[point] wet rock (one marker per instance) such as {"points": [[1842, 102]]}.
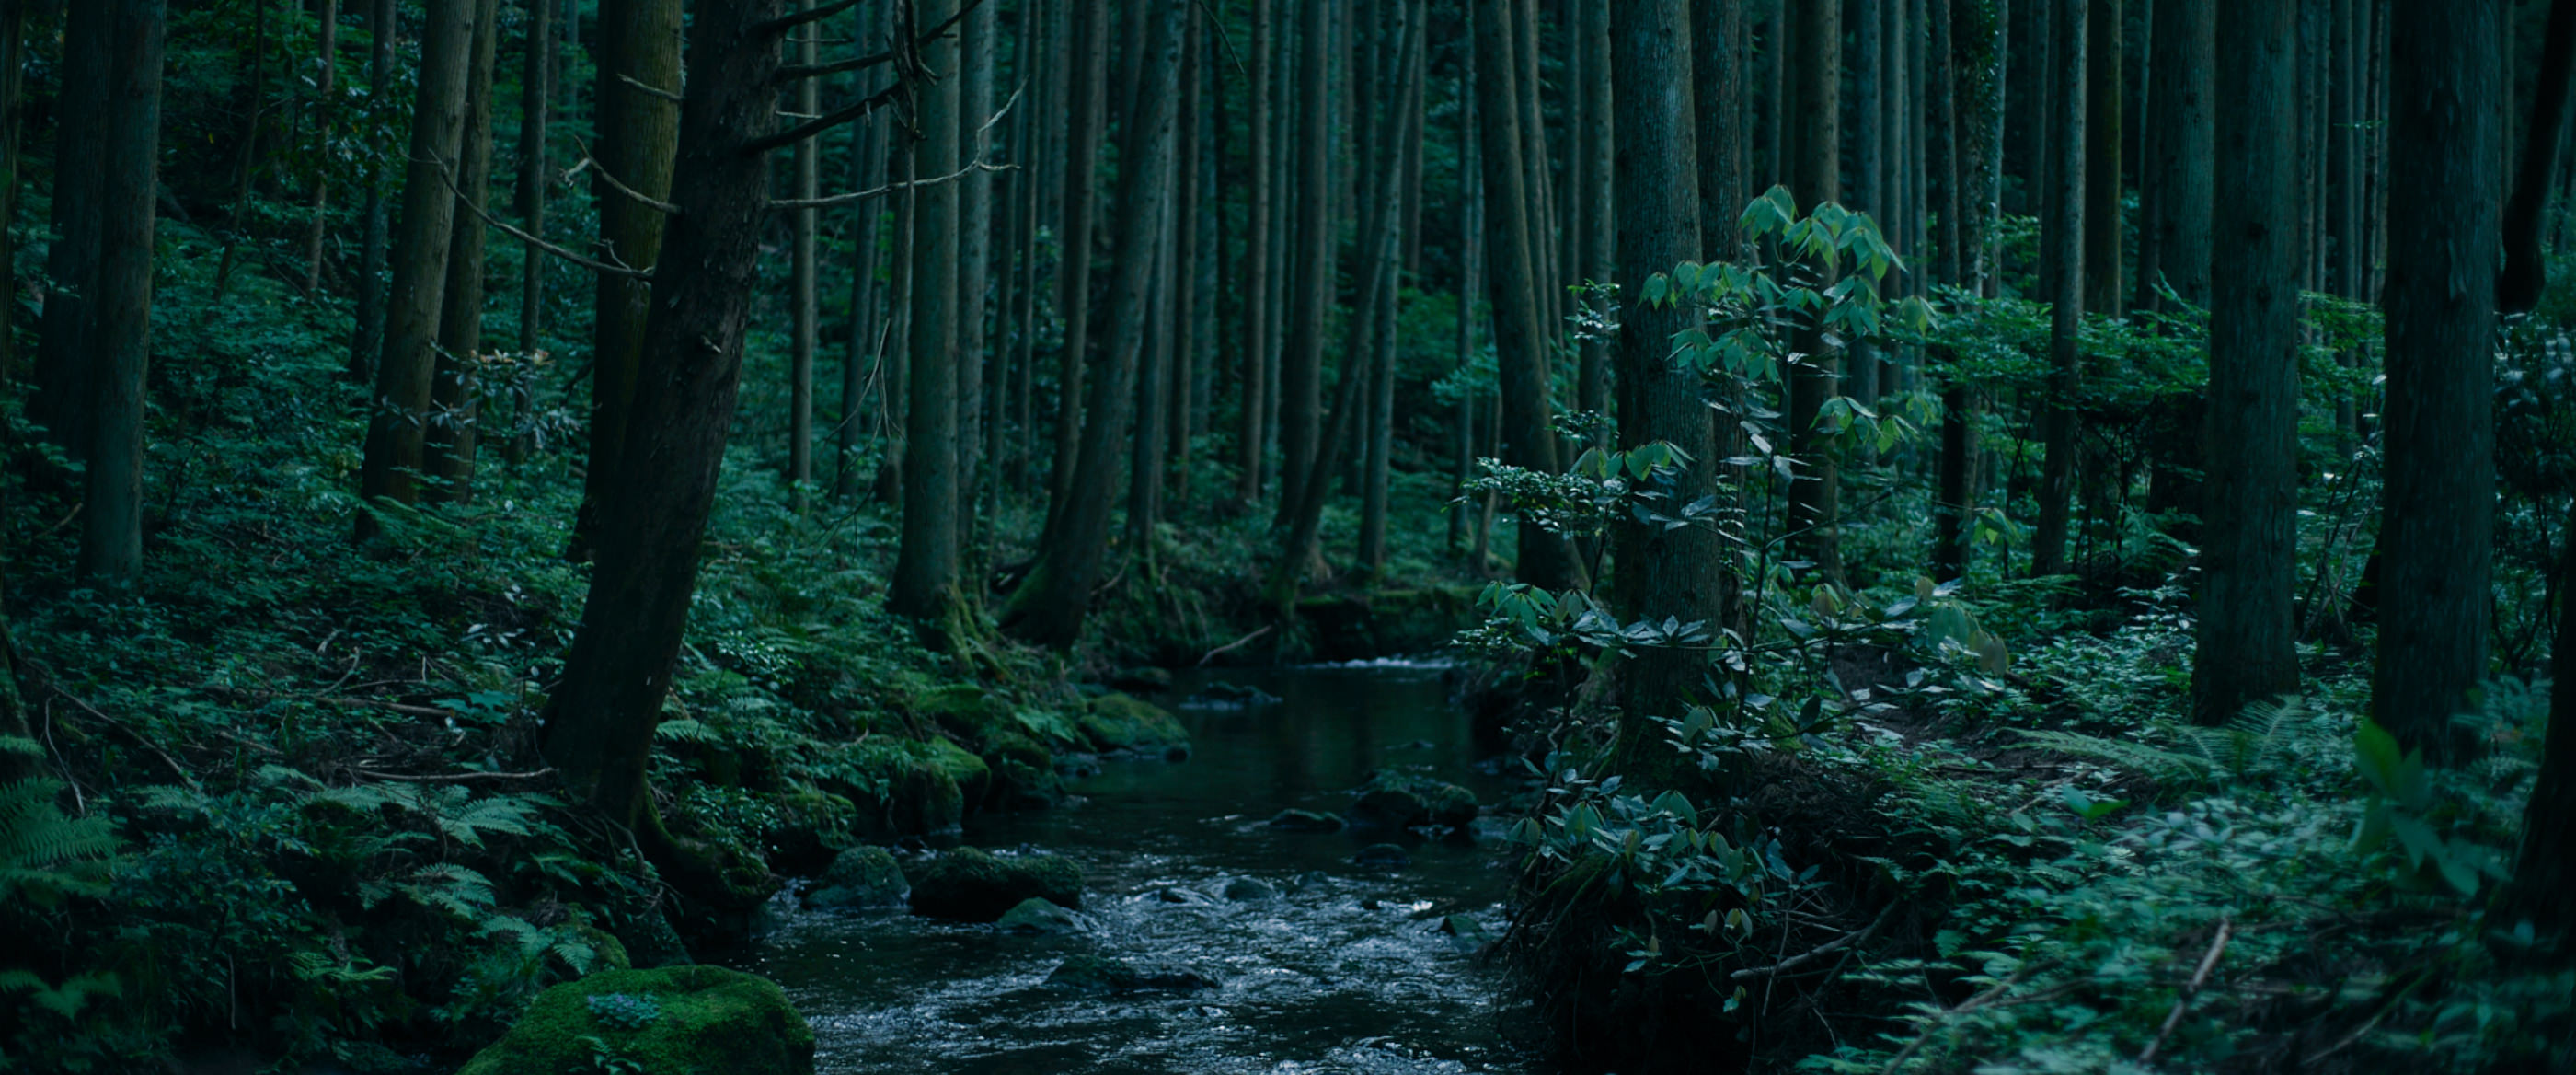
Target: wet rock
{"points": [[1309, 879], [1306, 821], [1101, 974], [1248, 890], [1465, 933], [1141, 680], [1390, 856], [1405, 803], [1230, 696], [1038, 916], [969, 885], [673, 1020], [1124, 722], [863, 876], [1180, 895]]}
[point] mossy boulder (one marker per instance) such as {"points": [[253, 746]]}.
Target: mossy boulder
{"points": [[972, 776], [813, 825], [1402, 802], [863, 876], [968, 710], [1024, 775], [1125, 722], [970, 885], [1038, 914], [693, 1020], [900, 787]]}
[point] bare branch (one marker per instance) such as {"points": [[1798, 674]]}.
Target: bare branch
{"points": [[784, 23], [632, 194], [649, 91], [835, 118], [857, 196], [531, 240], [792, 72]]}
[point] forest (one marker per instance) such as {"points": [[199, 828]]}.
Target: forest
{"points": [[656, 537]]}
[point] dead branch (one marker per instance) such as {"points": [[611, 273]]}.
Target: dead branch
{"points": [[175, 768], [453, 778], [827, 121], [648, 90], [1793, 962], [972, 167], [632, 194], [784, 23], [2200, 977], [531, 240], [1236, 644]]}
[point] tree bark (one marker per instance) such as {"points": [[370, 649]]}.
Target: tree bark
{"points": [[978, 36], [805, 308], [2546, 868], [1257, 286], [1546, 559], [1720, 59], [2104, 227], [399, 406], [652, 516], [1815, 498], [2247, 637], [2436, 533], [1662, 574], [638, 53], [1183, 317], [2525, 274], [925, 574], [536, 100], [1406, 128], [63, 351], [454, 419], [1592, 149], [325, 80], [2062, 276], [1087, 93], [1310, 286], [2185, 46], [120, 299], [1051, 603], [367, 341]]}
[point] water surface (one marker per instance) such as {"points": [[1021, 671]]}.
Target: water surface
{"points": [[1347, 970]]}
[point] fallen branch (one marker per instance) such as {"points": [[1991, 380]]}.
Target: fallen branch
{"points": [[452, 778], [1236, 644], [1793, 962], [130, 733], [2200, 977]]}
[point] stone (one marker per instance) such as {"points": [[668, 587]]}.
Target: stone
{"points": [[1390, 856], [1124, 722], [1037, 915], [1392, 808], [1101, 974], [1404, 803], [670, 1021], [1230, 696], [862, 876], [970, 885], [1142, 679], [1249, 890], [1306, 821]]}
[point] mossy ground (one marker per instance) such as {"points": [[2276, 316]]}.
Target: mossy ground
{"points": [[676, 1021]]}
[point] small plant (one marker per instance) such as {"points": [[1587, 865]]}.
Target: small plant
{"points": [[625, 1011]]}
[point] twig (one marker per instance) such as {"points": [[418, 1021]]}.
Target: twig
{"points": [[1971, 1004], [453, 778], [2208, 962], [650, 91], [879, 192], [130, 733], [1793, 962], [829, 120], [784, 23], [65, 520], [531, 240], [632, 194], [1236, 644]]}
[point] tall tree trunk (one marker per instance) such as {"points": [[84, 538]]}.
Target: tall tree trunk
{"points": [[2186, 43], [1310, 286], [326, 78], [1153, 394], [2103, 225], [64, 354], [978, 36], [253, 112], [1258, 283], [1662, 574], [1720, 59], [398, 409], [2436, 531], [638, 60], [1471, 265], [1087, 93], [1520, 343], [869, 321], [1050, 605], [536, 98], [1406, 127], [805, 306], [653, 515], [2525, 274], [1593, 199], [2062, 275], [925, 574], [120, 299], [367, 341], [1177, 426], [13, 53], [1869, 189], [2248, 557], [455, 395], [1771, 116], [1975, 91], [2546, 867], [1815, 177]]}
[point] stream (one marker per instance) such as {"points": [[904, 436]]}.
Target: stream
{"points": [[1347, 969]]}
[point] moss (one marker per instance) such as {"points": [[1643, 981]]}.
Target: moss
{"points": [[898, 790], [863, 876], [1023, 771], [672, 1021], [971, 885], [959, 764], [966, 709], [1124, 722]]}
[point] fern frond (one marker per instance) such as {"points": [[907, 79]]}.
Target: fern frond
{"points": [[2155, 762]]}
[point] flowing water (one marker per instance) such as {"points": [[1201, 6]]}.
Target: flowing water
{"points": [[1347, 969]]}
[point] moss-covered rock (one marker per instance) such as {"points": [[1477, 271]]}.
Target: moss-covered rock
{"points": [[972, 776], [965, 709], [673, 1021], [863, 876], [1024, 775], [813, 825], [1306, 821], [1125, 722], [896, 785], [1397, 801], [1037, 914], [970, 885]]}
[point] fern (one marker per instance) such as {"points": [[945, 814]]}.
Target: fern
{"points": [[2265, 740], [37, 842]]}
